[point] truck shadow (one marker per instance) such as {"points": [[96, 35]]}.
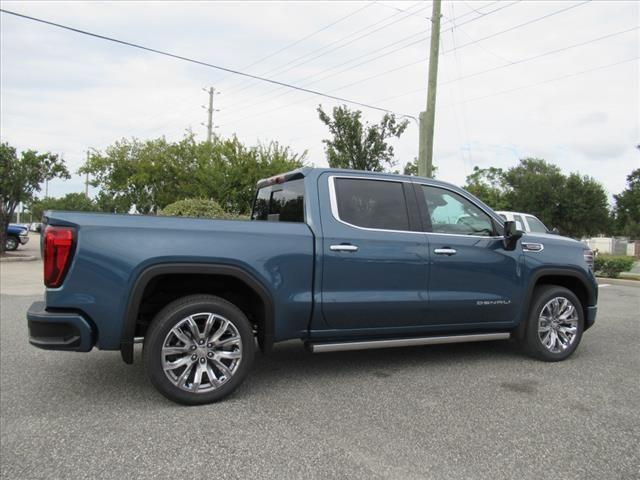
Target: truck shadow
{"points": [[103, 379]]}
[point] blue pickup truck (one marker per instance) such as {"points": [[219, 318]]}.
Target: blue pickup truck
{"points": [[340, 259], [16, 235]]}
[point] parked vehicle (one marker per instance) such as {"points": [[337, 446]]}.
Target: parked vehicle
{"points": [[526, 222], [16, 235], [342, 260]]}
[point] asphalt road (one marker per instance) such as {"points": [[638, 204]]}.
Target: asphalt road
{"points": [[475, 411]]}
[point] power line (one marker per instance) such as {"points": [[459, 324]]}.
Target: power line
{"points": [[199, 62], [306, 37], [517, 62], [511, 90], [244, 105], [401, 67], [279, 70]]}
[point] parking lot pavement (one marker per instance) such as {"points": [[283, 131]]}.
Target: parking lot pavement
{"points": [[475, 411]]}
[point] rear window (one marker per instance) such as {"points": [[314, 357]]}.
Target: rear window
{"points": [[282, 202], [372, 203]]}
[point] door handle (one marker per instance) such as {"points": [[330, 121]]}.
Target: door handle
{"points": [[344, 248], [445, 251]]}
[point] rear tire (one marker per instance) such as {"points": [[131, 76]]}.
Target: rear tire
{"points": [[555, 324], [11, 244], [198, 349]]}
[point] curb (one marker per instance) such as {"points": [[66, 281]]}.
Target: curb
{"points": [[618, 281], [7, 259]]}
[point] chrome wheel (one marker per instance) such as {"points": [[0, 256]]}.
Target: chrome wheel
{"points": [[201, 352], [11, 244], [558, 324]]}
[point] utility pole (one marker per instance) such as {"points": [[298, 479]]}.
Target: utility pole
{"points": [[427, 118], [211, 91], [86, 179]]}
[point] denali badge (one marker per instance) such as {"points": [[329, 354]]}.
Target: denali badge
{"points": [[493, 302]]}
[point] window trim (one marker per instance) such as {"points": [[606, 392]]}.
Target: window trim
{"points": [[333, 200], [412, 185]]}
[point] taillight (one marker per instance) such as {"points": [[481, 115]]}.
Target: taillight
{"points": [[59, 243]]}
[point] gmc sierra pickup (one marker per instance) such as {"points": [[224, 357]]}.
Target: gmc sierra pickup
{"points": [[342, 260]]}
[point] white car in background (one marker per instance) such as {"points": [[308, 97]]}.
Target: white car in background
{"points": [[526, 222]]}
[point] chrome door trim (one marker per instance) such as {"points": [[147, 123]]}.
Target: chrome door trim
{"points": [[334, 207], [343, 248], [445, 251]]}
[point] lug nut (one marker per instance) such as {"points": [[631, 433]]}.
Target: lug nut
{"points": [[193, 347], [201, 342], [193, 357], [202, 360], [210, 345], [210, 354]]}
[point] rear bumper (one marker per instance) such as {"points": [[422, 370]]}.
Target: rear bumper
{"points": [[591, 316], [68, 331]]}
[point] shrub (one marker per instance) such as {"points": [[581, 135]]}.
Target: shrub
{"points": [[197, 207], [611, 266]]}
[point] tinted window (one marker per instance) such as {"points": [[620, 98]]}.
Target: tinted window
{"points": [[280, 203], [536, 225], [372, 203], [452, 213]]}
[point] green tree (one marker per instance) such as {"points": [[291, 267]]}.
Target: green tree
{"points": [[149, 175], [583, 209], [488, 184], [71, 202], [196, 207], [358, 145], [20, 179], [411, 168], [535, 186], [627, 207]]}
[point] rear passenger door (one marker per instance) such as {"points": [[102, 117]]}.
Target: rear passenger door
{"points": [[375, 256]]}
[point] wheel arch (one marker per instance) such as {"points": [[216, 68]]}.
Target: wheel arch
{"points": [[219, 271], [573, 280]]}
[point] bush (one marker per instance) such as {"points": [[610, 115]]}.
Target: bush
{"points": [[611, 266], [197, 207]]}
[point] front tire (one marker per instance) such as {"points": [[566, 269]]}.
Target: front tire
{"points": [[11, 244], [555, 324], [198, 349]]}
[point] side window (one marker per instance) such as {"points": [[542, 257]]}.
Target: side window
{"points": [[519, 222], [536, 225], [454, 214], [504, 217], [371, 203], [280, 202]]}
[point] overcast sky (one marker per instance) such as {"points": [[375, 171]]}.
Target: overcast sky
{"points": [[578, 108]]}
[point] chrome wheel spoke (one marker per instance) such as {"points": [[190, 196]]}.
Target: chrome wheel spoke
{"points": [[193, 328], [212, 376], [197, 378], [208, 325], [181, 336], [220, 331], [175, 350], [229, 355], [228, 341], [178, 363], [184, 376], [222, 367]]}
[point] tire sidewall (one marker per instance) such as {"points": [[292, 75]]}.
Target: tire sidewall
{"points": [[171, 315], [534, 343]]}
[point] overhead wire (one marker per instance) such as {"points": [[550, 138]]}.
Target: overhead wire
{"points": [[198, 62]]}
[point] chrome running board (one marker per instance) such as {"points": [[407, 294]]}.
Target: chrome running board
{"points": [[405, 342]]}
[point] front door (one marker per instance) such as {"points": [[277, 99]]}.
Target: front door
{"points": [[375, 258], [474, 280]]}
